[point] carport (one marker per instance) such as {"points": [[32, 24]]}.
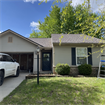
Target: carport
{"points": [[24, 59], [20, 48]]}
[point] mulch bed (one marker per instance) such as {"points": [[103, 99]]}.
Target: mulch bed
{"points": [[31, 76]]}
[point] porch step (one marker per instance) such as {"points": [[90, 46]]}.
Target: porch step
{"points": [[45, 72]]}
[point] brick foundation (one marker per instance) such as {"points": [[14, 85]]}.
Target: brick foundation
{"points": [[74, 71]]}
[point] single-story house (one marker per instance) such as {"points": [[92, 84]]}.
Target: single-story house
{"points": [[73, 47]]}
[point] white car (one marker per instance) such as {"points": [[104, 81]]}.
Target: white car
{"points": [[8, 67]]}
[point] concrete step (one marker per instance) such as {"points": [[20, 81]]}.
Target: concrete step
{"points": [[45, 72]]}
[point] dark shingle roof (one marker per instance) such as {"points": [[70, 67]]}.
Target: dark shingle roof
{"points": [[75, 38], [45, 42]]}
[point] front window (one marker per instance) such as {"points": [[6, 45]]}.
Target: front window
{"points": [[81, 54]]}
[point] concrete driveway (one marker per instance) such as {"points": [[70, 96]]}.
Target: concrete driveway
{"points": [[10, 83]]}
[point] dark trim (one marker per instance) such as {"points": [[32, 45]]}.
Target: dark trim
{"points": [[73, 55], [90, 56]]}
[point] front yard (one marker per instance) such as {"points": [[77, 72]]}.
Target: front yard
{"points": [[58, 91]]}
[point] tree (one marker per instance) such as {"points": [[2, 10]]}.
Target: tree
{"points": [[68, 19], [37, 34], [72, 20], [52, 23], [34, 34], [82, 25]]}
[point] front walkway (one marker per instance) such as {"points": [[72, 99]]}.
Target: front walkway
{"points": [[10, 83]]}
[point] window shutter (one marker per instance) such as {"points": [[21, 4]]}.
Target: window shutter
{"points": [[90, 56], [73, 56]]}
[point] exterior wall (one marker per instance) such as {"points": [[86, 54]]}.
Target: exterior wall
{"points": [[18, 45], [96, 56], [62, 54]]}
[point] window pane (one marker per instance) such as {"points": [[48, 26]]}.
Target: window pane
{"points": [[46, 59], [81, 52], [46, 55], [81, 60]]}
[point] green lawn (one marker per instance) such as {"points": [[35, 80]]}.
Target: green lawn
{"points": [[58, 91]]}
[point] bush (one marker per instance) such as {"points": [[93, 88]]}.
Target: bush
{"points": [[85, 69], [62, 69]]}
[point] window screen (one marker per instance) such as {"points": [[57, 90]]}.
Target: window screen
{"points": [[81, 55]]}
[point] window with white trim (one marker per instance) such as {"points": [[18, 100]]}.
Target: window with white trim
{"points": [[81, 55]]}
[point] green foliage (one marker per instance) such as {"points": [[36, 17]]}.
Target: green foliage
{"points": [[69, 20], [85, 69], [62, 69], [34, 34], [37, 35], [52, 23]]}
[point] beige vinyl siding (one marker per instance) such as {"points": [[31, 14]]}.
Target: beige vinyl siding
{"points": [[95, 56], [18, 45], [62, 54]]}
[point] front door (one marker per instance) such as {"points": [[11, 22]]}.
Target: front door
{"points": [[46, 61]]}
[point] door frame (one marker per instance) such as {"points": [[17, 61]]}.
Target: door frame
{"points": [[46, 51]]}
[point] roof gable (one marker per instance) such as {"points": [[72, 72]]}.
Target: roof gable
{"points": [[27, 39]]}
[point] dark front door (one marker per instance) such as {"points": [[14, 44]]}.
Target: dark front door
{"points": [[46, 61]]}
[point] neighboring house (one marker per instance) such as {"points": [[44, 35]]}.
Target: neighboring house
{"points": [[73, 47]]}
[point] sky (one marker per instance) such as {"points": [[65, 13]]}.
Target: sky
{"points": [[22, 16]]}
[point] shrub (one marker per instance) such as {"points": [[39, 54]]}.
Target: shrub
{"points": [[62, 69], [85, 69]]}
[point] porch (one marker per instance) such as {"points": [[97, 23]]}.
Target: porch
{"points": [[45, 61]]}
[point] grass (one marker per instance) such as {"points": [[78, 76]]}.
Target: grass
{"points": [[58, 91]]}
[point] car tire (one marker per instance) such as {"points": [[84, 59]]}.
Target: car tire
{"points": [[1, 77], [17, 72]]}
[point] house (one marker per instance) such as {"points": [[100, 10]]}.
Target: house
{"points": [[73, 47]]}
